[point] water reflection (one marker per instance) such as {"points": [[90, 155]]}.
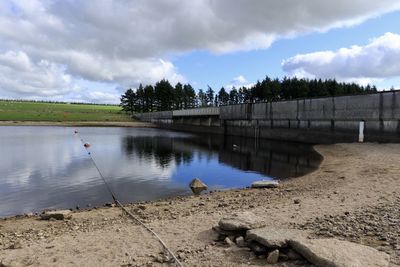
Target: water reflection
{"points": [[47, 167], [274, 159]]}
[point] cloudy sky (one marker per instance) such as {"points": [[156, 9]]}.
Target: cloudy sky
{"points": [[77, 50]]}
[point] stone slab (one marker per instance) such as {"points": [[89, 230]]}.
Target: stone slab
{"points": [[240, 221], [337, 253], [273, 238]]}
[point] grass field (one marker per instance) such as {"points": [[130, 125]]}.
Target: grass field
{"points": [[33, 111]]}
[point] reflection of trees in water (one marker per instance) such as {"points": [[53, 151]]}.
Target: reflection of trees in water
{"points": [[161, 149], [276, 159]]}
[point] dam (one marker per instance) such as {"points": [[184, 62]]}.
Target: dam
{"points": [[368, 117]]}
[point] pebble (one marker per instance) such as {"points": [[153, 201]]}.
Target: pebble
{"points": [[229, 242], [240, 241], [16, 245], [273, 257]]}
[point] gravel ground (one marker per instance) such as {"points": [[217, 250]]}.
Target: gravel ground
{"points": [[376, 226], [354, 195]]}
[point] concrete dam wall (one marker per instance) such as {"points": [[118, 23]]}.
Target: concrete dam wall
{"points": [[315, 120]]}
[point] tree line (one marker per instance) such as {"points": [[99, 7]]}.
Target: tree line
{"points": [[164, 96]]}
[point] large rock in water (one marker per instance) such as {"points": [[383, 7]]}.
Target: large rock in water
{"points": [[336, 253], [273, 238], [240, 221], [265, 184], [197, 186]]}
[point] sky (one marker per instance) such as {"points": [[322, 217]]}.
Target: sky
{"points": [[92, 51]]}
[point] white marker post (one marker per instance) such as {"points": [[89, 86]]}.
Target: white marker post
{"points": [[361, 132]]}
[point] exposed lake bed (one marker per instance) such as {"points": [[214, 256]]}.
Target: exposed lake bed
{"points": [[351, 185]]}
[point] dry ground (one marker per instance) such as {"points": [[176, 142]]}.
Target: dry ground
{"points": [[354, 179]]}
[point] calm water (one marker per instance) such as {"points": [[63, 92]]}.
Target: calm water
{"points": [[47, 167]]}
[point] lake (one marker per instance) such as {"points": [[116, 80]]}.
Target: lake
{"points": [[48, 167]]}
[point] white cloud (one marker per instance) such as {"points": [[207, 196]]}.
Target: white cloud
{"points": [[20, 75], [126, 42], [239, 81], [363, 64]]}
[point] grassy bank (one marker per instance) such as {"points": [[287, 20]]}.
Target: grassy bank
{"points": [[57, 112]]}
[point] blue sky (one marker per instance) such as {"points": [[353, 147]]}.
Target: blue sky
{"points": [[78, 50], [205, 68]]}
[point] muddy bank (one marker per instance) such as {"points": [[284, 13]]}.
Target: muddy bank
{"points": [[78, 123], [353, 196]]}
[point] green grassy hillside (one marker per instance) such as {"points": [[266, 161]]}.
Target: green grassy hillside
{"points": [[34, 111]]}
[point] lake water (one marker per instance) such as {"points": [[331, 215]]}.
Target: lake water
{"points": [[48, 167]]}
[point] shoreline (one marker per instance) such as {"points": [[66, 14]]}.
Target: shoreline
{"points": [[79, 123], [354, 196]]}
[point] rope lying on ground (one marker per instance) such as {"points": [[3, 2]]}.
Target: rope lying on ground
{"points": [[116, 201]]}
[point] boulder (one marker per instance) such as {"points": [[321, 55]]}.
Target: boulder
{"points": [[240, 221], [273, 238], [293, 255], [240, 242], [229, 242], [265, 184], [197, 186], [337, 253], [273, 257], [225, 233], [257, 248], [57, 215]]}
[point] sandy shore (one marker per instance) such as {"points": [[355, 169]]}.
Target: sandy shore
{"points": [[355, 196], [78, 123]]}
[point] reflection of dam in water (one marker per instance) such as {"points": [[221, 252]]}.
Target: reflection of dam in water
{"points": [[271, 158]]}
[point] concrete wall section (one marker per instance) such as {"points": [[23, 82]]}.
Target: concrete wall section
{"points": [[359, 107], [390, 106], [261, 111], [316, 109], [150, 116], [236, 112], [209, 111], [284, 110]]}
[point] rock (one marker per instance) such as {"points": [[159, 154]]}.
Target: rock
{"points": [[283, 256], [265, 184], [273, 238], [336, 253], [240, 221], [197, 186], [57, 214], [257, 248], [229, 242], [6, 264], [142, 207], [293, 255], [226, 233], [240, 242], [16, 245], [273, 257]]}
